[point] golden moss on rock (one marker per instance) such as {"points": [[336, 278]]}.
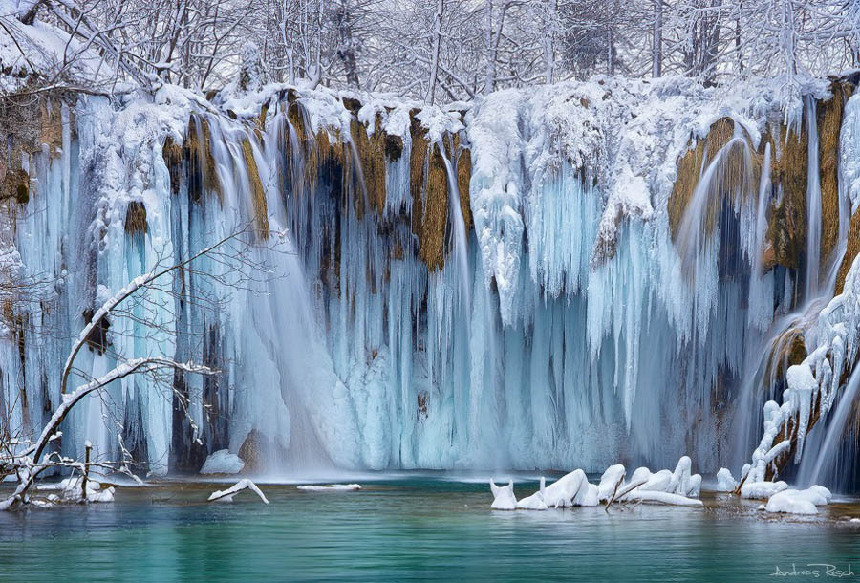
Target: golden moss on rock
{"points": [[200, 171], [850, 253], [171, 152], [257, 194], [371, 155], [690, 166], [393, 147], [135, 218], [430, 213], [464, 176], [418, 157], [830, 114], [15, 186], [786, 231]]}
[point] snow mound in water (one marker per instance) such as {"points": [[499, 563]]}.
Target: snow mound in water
{"points": [[503, 496], [726, 481], [793, 501], [761, 490], [222, 462]]}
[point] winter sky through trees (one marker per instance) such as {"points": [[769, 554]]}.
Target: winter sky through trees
{"points": [[450, 50]]}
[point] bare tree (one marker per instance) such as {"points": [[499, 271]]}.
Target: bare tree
{"points": [[26, 460]]}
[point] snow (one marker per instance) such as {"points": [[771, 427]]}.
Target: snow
{"points": [[579, 314], [610, 481], [761, 490], [794, 501], [834, 339], [725, 481], [678, 488], [536, 501], [227, 495], [329, 487], [71, 491], [503, 496], [222, 462], [47, 51]]}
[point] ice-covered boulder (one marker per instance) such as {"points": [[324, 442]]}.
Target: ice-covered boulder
{"points": [[222, 462]]}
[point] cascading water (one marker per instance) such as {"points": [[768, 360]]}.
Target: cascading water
{"points": [[813, 204]]}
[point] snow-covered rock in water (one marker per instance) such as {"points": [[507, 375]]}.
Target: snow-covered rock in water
{"points": [[222, 462], [503, 496], [678, 488], [330, 487], [537, 500], [572, 489], [657, 497], [227, 495], [682, 479], [794, 501], [761, 490], [725, 481], [71, 491], [659, 482], [610, 481]]}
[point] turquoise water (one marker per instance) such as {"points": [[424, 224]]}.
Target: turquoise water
{"points": [[410, 528]]}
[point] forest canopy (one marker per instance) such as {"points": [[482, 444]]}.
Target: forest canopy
{"points": [[444, 50]]}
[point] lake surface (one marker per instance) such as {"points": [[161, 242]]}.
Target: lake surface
{"points": [[414, 527]]}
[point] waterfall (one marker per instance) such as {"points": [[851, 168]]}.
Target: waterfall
{"points": [[387, 327], [813, 203], [814, 472]]}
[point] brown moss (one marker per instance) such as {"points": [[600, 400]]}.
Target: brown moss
{"points": [[200, 170], [393, 147], [327, 158], [430, 213], [464, 176], [689, 168], [850, 253], [418, 157], [50, 124], [352, 104], [15, 186], [786, 230], [171, 152], [786, 350], [135, 218], [261, 119], [371, 155], [297, 120], [258, 194], [830, 114]]}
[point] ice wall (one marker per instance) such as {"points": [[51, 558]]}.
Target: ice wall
{"points": [[562, 277]]}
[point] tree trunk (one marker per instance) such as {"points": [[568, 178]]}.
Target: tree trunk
{"points": [[437, 50], [657, 51]]}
